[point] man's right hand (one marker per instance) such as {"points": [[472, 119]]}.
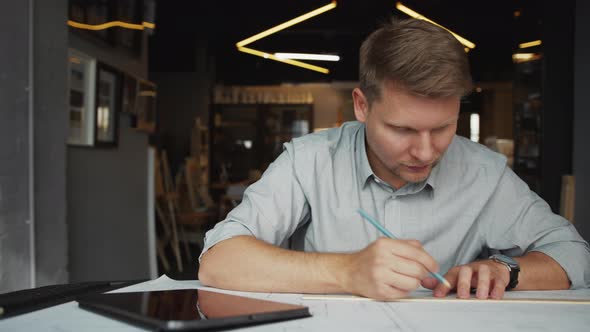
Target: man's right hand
{"points": [[388, 269]]}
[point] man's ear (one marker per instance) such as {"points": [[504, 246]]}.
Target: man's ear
{"points": [[361, 105]]}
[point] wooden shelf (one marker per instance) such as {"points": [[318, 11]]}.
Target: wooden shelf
{"points": [[235, 124]]}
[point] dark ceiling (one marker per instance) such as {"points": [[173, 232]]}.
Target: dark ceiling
{"points": [[187, 28]]}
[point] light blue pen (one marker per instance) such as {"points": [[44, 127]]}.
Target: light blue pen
{"points": [[391, 236]]}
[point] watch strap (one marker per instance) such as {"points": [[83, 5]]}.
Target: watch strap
{"points": [[512, 270]]}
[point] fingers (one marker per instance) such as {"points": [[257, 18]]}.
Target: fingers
{"points": [[388, 292], [452, 276], [483, 282], [491, 281], [413, 251], [404, 282], [487, 281], [414, 243], [464, 282], [429, 282], [409, 268], [498, 289]]}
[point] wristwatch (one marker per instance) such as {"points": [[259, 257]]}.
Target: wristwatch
{"points": [[512, 266]]}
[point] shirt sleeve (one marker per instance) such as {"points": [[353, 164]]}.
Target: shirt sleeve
{"points": [[522, 222], [271, 209]]}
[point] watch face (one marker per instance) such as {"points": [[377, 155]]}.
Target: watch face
{"points": [[506, 259]]}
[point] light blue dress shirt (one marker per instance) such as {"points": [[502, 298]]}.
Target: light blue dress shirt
{"points": [[470, 206]]}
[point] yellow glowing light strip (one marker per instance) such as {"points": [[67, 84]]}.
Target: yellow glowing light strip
{"points": [[287, 24], [147, 94], [530, 44], [415, 15], [289, 61], [523, 57], [308, 56], [111, 24]]}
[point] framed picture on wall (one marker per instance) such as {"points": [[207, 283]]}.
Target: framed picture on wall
{"points": [[81, 92], [108, 85]]}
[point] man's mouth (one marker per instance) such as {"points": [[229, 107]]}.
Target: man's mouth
{"points": [[418, 169]]}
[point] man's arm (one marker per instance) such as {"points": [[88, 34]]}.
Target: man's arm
{"points": [[247, 264], [386, 269], [540, 272]]}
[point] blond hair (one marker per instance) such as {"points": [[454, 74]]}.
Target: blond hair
{"points": [[418, 56]]}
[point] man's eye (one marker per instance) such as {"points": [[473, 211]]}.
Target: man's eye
{"points": [[404, 130]]}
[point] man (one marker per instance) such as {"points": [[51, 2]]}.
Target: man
{"points": [[450, 201]]}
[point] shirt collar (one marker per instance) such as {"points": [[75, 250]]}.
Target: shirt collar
{"points": [[431, 181], [434, 177], [361, 160]]}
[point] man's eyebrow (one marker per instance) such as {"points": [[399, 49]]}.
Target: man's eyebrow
{"points": [[448, 122], [396, 125], [444, 124]]}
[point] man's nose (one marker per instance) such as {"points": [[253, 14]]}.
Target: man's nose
{"points": [[422, 148]]}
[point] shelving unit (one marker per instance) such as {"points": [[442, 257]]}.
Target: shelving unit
{"points": [[528, 122], [246, 138]]}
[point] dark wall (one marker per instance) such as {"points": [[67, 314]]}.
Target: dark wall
{"points": [[581, 158], [15, 113]]}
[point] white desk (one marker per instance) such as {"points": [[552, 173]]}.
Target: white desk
{"points": [[355, 315]]}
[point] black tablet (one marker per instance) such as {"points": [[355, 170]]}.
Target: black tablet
{"points": [[189, 309]]}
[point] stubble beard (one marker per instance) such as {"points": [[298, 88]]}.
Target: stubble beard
{"points": [[397, 171]]}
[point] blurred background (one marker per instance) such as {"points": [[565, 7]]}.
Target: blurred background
{"points": [[130, 127]]}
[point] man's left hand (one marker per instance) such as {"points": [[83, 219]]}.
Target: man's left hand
{"points": [[489, 278]]}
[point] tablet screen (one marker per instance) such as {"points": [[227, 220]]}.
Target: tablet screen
{"points": [[187, 307]]}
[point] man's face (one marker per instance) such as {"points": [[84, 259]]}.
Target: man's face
{"points": [[406, 134]]}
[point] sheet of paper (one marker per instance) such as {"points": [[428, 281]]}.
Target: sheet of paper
{"points": [[533, 297], [162, 283]]}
